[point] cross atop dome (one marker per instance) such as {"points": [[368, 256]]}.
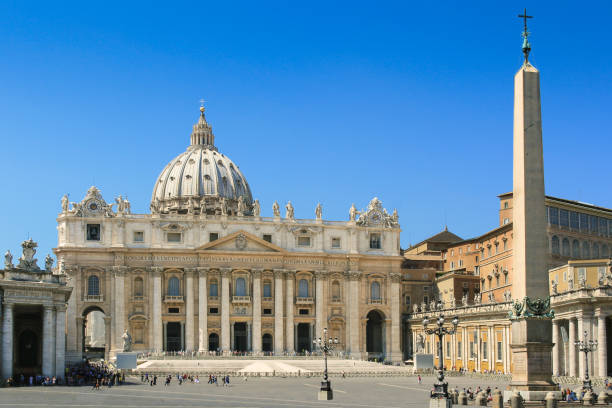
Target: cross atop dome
{"points": [[202, 134]]}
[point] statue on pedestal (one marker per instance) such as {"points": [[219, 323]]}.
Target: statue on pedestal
{"points": [[48, 263], [290, 211], [256, 208], [241, 206], [276, 209], [127, 341], [65, 204], [352, 212], [8, 260], [319, 211]]}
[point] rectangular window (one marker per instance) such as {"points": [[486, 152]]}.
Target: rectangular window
{"points": [[93, 232], [448, 353], [564, 276], [138, 335], [173, 237], [603, 226], [303, 311], [452, 265], [459, 352], [426, 299], [574, 220], [138, 236], [335, 243], [472, 354], [267, 237], [375, 241], [303, 241], [581, 273], [173, 310], [485, 355], [267, 292], [267, 311], [505, 245], [476, 259], [584, 222], [213, 310], [564, 218], [499, 351], [426, 288], [214, 289], [407, 300], [213, 236], [593, 224], [553, 216]]}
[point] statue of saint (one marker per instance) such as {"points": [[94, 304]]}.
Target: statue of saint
{"points": [[223, 206], [120, 206], [289, 208], [241, 206], [319, 211], [127, 341], [127, 206], [256, 208], [203, 206], [65, 204], [48, 263], [276, 209], [190, 206], [352, 213], [8, 260]]}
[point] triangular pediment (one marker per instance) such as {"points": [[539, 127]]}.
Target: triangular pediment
{"points": [[240, 241]]}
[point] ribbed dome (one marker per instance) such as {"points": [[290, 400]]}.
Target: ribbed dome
{"points": [[201, 176]]}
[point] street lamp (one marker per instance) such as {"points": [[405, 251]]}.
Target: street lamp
{"points": [[440, 391], [586, 346], [325, 344]]}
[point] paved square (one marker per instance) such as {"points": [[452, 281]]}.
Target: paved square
{"points": [[379, 392]]}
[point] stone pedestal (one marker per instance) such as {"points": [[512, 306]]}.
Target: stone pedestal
{"points": [[325, 393]]}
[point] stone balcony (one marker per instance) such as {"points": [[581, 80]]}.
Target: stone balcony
{"points": [[378, 301], [267, 299], [173, 299], [304, 300], [213, 299], [137, 298], [93, 298], [241, 299]]}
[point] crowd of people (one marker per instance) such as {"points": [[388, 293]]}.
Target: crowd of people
{"points": [[181, 379], [87, 373]]}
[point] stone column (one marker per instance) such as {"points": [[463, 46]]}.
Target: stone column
{"points": [[504, 346], [320, 322], [225, 310], [290, 284], [80, 333], [556, 347], [7, 341], [278, 311], [119, 317], [572, 348], [189, 310], [256, 273], [72, 347], [48, 340], [602, 349], [107, 336], [158, 335], [354, 318], [60, 341], [582, 326], [396, 354], [202, 311]]}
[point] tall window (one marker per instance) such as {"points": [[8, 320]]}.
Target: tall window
{"points": [[553, 216], [173, 286], [138, 287], [303, 288], [566, 247], [574, 220], [214, 288], [375, 241], [595, 251], [267, 290], [485, 351], [564, 218], [499, 351], [555, 245], [575, 249], [586, 251], [604, 251], [459, 349], [335, 290], [584, 222], [375, 291], [93, 286], [240, 287]]}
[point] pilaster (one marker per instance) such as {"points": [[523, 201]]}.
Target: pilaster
{"points": [[225, 309], [278, 311], [60, 341], [158, 335], [48, 340], [289, 331], [202, 310], [396, 354], [189, 310], [320, 319], [602, 350], [7, 341], [256, 338]]}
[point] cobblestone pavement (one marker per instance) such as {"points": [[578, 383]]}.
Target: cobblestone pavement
{"points": [[379, 392]]}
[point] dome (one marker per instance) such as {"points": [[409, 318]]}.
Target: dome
{"points": [[201, 180]]}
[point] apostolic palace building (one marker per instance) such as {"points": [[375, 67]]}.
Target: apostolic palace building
{"points": [[204, 272]]}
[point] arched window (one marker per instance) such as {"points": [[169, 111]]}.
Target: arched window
{"points": [[555, 245], [93, 286], [595, 251], [173, 286], [566, 247], [240, 287], [575, 249], [375, 291], [335, 290], [586, 251], [303, 288], [604, 251], [214, 288], [138, 287]]}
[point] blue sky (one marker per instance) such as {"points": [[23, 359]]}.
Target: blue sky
{"points": [[335, 102]]}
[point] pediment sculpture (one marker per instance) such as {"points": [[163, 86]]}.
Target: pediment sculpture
{"points": [[376, 215], [93, 205]]}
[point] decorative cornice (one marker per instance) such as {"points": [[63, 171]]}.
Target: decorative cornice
{"points": [[156, 270], [226, 272], [120, 271], [203, 271], [256, 272], [353, 275], [278, 273]]}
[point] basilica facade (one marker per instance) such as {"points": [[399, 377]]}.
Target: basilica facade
{"points": [[204, 271]]}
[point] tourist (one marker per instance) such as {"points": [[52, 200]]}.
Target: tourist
{"points": [[420, 379]]}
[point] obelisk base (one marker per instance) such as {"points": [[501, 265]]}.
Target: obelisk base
{"points": [[531, 359]]}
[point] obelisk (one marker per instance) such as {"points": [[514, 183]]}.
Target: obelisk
{"points": [[531, 316]]}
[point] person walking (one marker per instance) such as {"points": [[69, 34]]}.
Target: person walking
{"points": [[420, 379]]}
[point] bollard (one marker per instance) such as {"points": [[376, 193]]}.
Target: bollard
{"points": [[602, 398], [516, 401], [480, 399], [588, 398], [551, 401], [498, 399], [462, 398]]}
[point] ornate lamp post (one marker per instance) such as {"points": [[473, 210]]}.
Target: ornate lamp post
{"points": [[440, 397], [325, 344], [586, 346]]}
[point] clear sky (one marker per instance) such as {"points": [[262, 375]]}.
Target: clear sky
{"points": [[328, 101]]}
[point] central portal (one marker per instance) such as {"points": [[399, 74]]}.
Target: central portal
{"points": [[173, 336], [240, 336], [303, 337]]}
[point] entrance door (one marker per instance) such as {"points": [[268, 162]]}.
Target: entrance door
{"points": [[28, 350], [173, 336], [374, 333], [213, 342], [266, 342], [240, 336], [303, 337]]}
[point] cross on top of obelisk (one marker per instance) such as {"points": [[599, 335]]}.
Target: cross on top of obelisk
{"points": [[525, 34]]}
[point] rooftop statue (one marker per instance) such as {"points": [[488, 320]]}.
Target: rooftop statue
{"points": [[8, 260], [276, 209], [27, 260], [352, 213], [48, 263], [290, 211], [65, 204], [241, 206], [256, 208], [319, 211]]}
